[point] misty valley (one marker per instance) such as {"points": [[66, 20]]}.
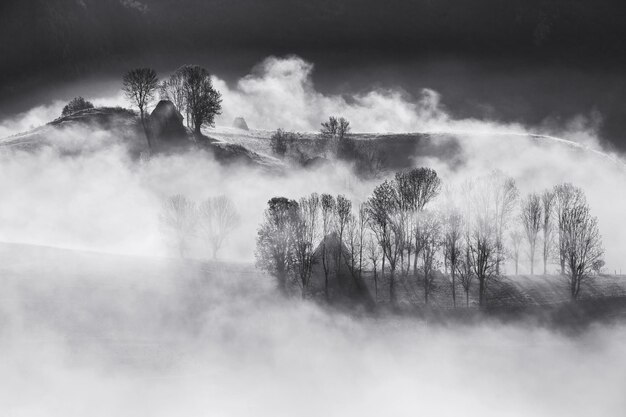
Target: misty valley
{"points": [[189, 246]]}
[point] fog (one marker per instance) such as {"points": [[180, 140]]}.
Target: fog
{"points": [[87, 333], [113, 204]]}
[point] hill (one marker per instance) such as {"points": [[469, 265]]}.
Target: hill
{"points": [[99, 128], [394, 151]]}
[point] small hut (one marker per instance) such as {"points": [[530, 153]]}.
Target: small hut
{"points": [[344, 284]]}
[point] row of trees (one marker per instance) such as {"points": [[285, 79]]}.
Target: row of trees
{"points": [[569, 233], [213, 221], [189, 88], [412, 230]]}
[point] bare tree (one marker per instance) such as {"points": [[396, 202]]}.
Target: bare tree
{"points": [[351, 239], [566, 196], [504, 197], [531, 218], [203, 101], [430, 237], [306, 236], [452, 240], [329, 128], [179, 218], [328, 220], [481, 234], [334, 131], [583, 244], [343, 217], [343, 128], [465, 272], [361, 219], [173, 89], [382, 208], [416, 188], [516, 241], [374, 255], [274, 245], [218, 219], [140, 86], [547, 199], [483, 257]]}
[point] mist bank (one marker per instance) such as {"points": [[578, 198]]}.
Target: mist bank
{"points": [[139, 336], [100, 199]]}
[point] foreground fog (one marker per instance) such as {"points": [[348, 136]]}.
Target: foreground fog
{"points": [[88, 334]]}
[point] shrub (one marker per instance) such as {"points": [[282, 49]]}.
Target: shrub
{"points": [[77, 104]]}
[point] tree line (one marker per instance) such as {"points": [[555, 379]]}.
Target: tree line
{"points": [[411, 227]]}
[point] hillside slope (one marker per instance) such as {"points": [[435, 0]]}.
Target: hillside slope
{"points": [[403, 150]]}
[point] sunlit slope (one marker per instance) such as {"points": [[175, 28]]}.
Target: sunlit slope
{"points": [[403, 150]]}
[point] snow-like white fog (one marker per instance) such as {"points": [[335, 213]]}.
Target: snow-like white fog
{"points": [[86, 334], [155, 338]]}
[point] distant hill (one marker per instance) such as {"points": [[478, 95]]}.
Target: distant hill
{"points": [[394, 151]]}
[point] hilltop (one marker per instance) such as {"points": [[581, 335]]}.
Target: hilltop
{"points": [[98, 128]]}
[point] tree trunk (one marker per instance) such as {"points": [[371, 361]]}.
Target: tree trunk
{"points": [[453, 288], [575, 285], [467, 298], [415, 260], [481, 292], [382, 270], [498, 259], [375, 284], [392, 287]]}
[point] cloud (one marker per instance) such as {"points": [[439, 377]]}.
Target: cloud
{"points": [[280, 93], [31, 119]]}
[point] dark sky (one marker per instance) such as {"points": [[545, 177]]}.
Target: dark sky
{"points": [[512, 60]]}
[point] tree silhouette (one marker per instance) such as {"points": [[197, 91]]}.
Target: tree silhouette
{"points": [[218, 219], [140, 86], [202, 100], [531, 216]]}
